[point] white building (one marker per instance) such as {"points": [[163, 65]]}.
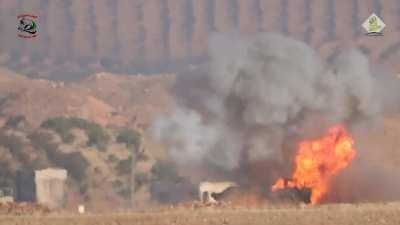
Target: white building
{"points": [[50, 187]]}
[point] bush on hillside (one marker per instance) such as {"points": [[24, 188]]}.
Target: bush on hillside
{"points": [[13, 143], [141, 179], [112, 158], [15, 121], [97, 135], [142, 156], [62, 126], [73, 162], [42, 140], [124, 167], [7, 176], [130, 137]]}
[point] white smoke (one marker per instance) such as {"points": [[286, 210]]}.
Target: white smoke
{"points": [[186, 130], [259, 91]]}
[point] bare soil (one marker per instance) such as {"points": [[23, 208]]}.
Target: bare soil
{"points": [[333, 214]]}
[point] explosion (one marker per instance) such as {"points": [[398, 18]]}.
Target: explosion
{"points": [[237, 116], [318, 161]]}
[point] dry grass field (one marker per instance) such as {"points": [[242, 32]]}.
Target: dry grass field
{"points": [[335, 214]]}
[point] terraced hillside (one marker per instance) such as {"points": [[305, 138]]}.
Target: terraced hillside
{"points": [[77, 37]]}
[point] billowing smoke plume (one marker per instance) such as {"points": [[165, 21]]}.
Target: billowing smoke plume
{"points": [[258, 93]]}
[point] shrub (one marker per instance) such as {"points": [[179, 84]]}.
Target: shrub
{"points": [[117, 184], [97, 136], [124, 167], [130, 137], [7, 176], [125, 192], [62, 126], [15, 121], [74, 162], [112, 158], [42, 140], [141, 179], [34, 165], [13, 143], [142, 156], [78, 122], [122, 188]]}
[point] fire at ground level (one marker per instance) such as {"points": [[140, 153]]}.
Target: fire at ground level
{"points": [[316, 162], [351, 214]]}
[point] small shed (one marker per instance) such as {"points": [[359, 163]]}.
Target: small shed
{"points": [[50, 187]]}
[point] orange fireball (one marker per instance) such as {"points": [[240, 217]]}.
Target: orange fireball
{"points": [[317, 161]]}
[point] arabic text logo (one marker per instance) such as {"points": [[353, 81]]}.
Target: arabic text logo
{"points": [[27, 26], [374, 25]]}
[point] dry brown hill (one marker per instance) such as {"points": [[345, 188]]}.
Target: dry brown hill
{"points": [[103, 98]]}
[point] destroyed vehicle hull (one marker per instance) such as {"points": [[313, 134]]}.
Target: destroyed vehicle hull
{"points": [[295, 194]]}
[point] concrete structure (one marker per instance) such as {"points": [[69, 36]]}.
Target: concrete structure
{"points": [[25, 187], [50, 187]]}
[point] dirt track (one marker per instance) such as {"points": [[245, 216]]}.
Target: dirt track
{"points": [[342, 214]]}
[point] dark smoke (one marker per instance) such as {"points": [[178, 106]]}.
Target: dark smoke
{"points": [[363, 182], [258, 97]]}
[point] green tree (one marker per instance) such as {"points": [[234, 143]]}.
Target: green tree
{"points": [[124, 166], [75, 163], [14, 144], [130, 137], [97, 135], [62, 126]]}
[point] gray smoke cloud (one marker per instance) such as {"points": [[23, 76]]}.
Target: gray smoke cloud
{"points": [[258, 93]]}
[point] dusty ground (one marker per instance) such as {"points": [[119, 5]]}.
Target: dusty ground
{"points": [[338, 214]]}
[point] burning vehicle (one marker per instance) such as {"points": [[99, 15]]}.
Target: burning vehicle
{"points": [[292, 194], [317, 161]]}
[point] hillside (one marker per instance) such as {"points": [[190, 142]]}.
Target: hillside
{"points": [[81, 37], [107, 167], [103, 98], [79, 123]]}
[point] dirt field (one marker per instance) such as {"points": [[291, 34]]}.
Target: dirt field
{"points": [[338, 214]]}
